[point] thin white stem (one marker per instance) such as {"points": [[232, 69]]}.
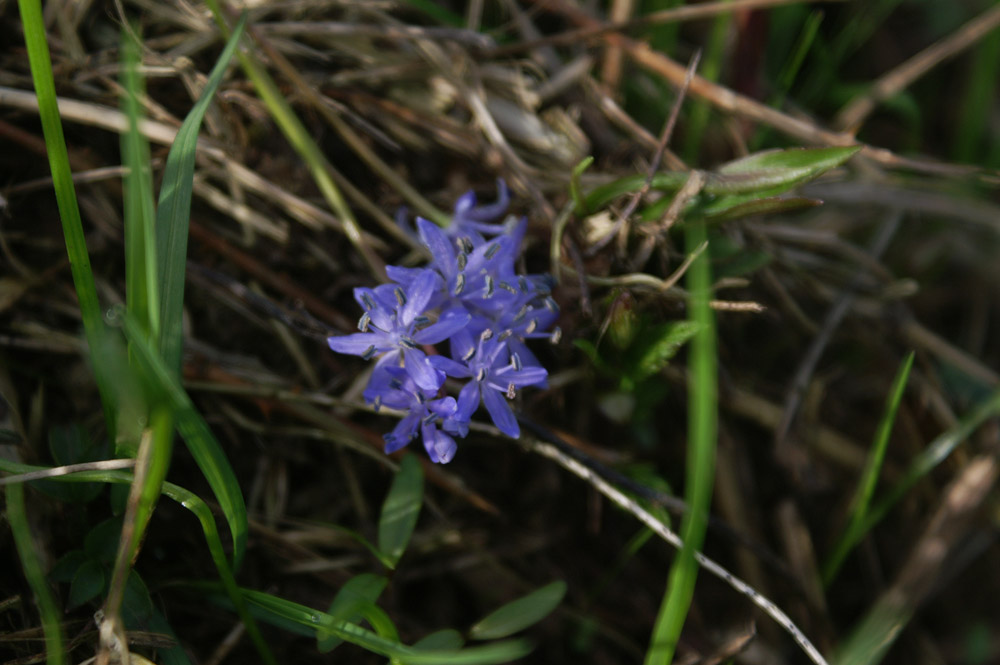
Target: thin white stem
{"points": [[664, 532]]}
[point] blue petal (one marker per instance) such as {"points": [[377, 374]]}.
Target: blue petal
{"points": [[450, 367], [500, 412], [489, 212], [440, 447], [445, 447], [529, 376], [442, 251], [402, 275], [402, 433], [449, 323], [463, 343], [381, 315], [418, 294], [468, 401], [421, 371], [356, 344]]}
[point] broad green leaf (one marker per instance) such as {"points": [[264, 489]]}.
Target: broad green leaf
{"points": [[194, 430], [737, 207], [174, 210], [101, 542], [66, 567], [348, 605], [401, 510], [137, 605], [449, 638], [71, 445], [776, 171], [87, 583], [519, 614]]}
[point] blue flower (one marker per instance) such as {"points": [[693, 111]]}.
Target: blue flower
{"points": [[495, 375], [472, 220], [488, 311], [392, 387], [391, 324]]}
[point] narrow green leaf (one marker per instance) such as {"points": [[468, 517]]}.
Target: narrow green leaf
{"points": [[575, 192], [346, 606], [69, 212], [172, 217], [936, 452], [401, 510], [519, 614], [141, 292], [869, 642], [599, 197], [869, 477], [31, 563], [197, 436], [87, 583]]}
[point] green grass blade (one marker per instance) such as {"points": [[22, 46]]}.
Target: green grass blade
{"points": [[62, 182], [301, 140], [141, 292], [32, 565], [197, 436], [172, 218], [700, 476], [935, 453], [281, 611], [869, 477], [401, 510], [201, 510], [978, 99]]}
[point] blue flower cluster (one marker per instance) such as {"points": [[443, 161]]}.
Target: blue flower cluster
{"points": [[471, 296]]}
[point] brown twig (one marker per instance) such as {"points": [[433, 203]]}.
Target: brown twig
{"points": [[853, 115]]}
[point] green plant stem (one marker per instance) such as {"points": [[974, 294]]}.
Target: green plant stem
{"points": [[33, 572], [62, 182], [700, 477], [201, 510]]}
